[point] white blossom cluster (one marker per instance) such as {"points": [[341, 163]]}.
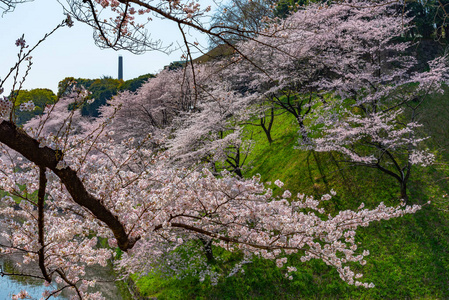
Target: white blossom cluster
{"points": [[5, 107], [423, 158], [27, 106]]}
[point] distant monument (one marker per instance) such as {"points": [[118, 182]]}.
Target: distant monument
{"points": [[120, 67]]}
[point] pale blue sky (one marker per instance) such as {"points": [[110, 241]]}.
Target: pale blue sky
{"points": [[71, 51]]}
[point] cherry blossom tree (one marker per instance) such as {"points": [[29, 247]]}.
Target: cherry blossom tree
{"points": [[161, 109], [340, 71], [74, 182], [286, 65], [387, 137], [196, 123], [212, 133], [153, 107], [373, 117], [74, 187], [127, 195]]}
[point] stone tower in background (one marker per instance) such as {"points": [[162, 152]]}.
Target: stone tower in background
{"points": [[120, 67]]}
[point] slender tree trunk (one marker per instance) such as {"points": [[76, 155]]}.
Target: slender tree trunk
{"points": [[234, 162], [267, 130], [207, 243], [404, 195], [40, 222], [239, 173]]}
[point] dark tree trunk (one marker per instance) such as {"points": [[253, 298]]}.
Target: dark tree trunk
{"points": [[45, 157], [239, 173], [234, 162], [207, 243], [404, 195], [266, 129]]}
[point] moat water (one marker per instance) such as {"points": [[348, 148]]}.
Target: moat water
{"points": [[10, 285]]}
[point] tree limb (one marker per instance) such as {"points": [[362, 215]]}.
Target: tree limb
{"points": [[45, 157]]}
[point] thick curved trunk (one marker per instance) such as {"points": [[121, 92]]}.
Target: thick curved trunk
{"points": [[18, 140]]}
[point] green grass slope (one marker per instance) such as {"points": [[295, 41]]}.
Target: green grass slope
{"points": [[409, 256]]}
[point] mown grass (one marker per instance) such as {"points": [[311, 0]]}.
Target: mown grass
{"points": [[409, 256]]}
